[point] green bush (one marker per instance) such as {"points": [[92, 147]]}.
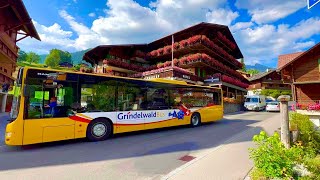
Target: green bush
{"points": [[313, 165], [307, 134], [272, 159], [275, 93]]}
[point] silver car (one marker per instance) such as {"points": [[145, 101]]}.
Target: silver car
{"points": [[273, 106]]}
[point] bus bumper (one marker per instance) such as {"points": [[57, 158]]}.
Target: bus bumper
{"points": [[12, 137]]}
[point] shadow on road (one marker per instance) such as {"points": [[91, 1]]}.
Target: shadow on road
{"points": [[144, 143]]}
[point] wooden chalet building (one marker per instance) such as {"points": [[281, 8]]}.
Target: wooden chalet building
{"points": [[271, 79], [14, 20], [203, 54], [302, 71]]}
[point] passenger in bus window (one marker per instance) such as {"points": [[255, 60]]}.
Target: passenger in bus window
{"points": [[52, 105]]}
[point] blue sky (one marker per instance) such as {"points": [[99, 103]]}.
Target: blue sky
{"points": [[263, 29]]}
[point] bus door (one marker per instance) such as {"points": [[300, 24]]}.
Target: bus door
{"points": [[130, 106], [158, 108], [48, 103]]}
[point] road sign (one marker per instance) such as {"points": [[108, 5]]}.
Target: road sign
{"points": [[311, 3]]}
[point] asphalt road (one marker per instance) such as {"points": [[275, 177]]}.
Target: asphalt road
{"points": [[143, 155]]}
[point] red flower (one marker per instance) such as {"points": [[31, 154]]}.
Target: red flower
{"points": [[167, 49], [167, 64], [176, 46], [184, 43], [160, 51], [160, 65]]}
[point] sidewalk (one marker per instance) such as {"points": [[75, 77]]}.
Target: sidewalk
{"points": [[227, 161]]}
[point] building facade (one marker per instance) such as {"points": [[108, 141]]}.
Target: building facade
{"points": [[15, 25], [204, 54], [271, 79], [303, 73]]}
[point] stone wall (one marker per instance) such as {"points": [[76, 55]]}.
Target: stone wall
{"points": [[231, 107]]}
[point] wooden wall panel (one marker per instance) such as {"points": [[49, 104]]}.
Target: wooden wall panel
{"points": [[308, 92], [307, 68]]}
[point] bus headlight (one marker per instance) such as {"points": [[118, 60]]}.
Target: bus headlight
{"points": [[8, 134]]}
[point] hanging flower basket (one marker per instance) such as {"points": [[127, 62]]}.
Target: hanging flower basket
{"points": [[176, 46], [160, 51], [176, 62], [167, 49], [160, 65]]}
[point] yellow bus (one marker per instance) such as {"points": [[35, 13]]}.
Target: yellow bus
{"points": [[53, 105]]}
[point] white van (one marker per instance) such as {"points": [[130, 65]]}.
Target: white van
{"points": [[255, 102]]}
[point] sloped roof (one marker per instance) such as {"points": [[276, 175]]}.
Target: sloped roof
{"points": [[20, 19], [301, 55], [287, 58], [260, 75], [202, 28]]}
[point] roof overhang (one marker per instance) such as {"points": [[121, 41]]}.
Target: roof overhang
{"points": [[98, 53], [202, 28], [207, 29], [301, 55], [20, 19]]}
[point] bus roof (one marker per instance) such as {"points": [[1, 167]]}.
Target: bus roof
{"points": [[157, 80]]}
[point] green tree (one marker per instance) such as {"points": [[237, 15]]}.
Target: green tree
{"points": [[253, 71], [53, 59], [22, 56], [56, 57], [243, 65], [33, 58], [65, 56]]}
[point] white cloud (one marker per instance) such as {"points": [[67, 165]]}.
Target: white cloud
{"points": [[86, 37], [221, 16], [92, 14], [266, 42], [240, 26], [127, 22], [269, 11], [51, 37]]}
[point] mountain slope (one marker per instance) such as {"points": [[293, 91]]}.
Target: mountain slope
{"points": [[257, 66]]}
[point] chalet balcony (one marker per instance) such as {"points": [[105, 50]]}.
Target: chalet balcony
{"points": [[170, 72], [194, 45], [272, 81], [220, 79], [7, 54]]}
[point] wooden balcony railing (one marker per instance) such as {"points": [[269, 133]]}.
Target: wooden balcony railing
{"points": [[10, 53]]}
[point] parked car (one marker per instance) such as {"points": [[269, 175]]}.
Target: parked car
{"points": [[273, 106], [255, 103]]}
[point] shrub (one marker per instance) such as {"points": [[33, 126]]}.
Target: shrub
{"points": [[272, 159], [313, 165], [307, 134]]}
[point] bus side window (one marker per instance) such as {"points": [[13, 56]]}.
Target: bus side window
{"points": [[158, 98]]}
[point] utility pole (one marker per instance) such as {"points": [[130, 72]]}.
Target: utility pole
{"points": [[285, 132]]}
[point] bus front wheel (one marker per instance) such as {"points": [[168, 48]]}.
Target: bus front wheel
{"points": [[195, 119], [99, 129]]}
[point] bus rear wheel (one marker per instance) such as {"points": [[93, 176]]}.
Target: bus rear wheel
{"points": [[99, 129], [195, 120]]}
